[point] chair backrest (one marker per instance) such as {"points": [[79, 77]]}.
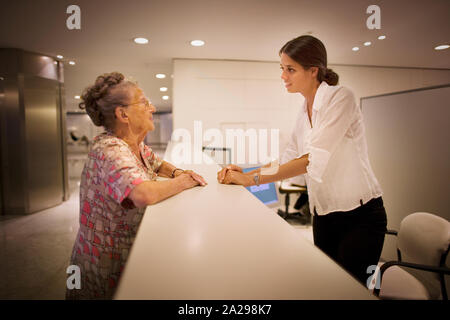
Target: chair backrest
{"points": [[423, 238]]}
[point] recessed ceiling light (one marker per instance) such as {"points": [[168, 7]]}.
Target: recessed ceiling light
{"points": [[160, 75], [77, 97], [163, 89], [197, 43], [72, 63], [367, 43], [442, 47], [59, 56], [165, 97], [355, 48], [141, 40], [381, 37]]}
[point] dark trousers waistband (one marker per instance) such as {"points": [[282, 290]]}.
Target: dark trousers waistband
{"points": [[375, 202]]}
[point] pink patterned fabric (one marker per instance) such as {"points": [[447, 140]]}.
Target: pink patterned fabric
{"points": [[108, 220]]}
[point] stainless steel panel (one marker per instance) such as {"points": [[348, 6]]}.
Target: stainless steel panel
{"points": [[15, 61], [33, 175], [13, 156], [63, 131], [2, 124], [43, 143], [39, 65]]}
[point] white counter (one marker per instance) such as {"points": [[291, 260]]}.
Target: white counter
{"points": [[221, 242]]}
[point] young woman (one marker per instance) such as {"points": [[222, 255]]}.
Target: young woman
{"points": [[349, 221]]}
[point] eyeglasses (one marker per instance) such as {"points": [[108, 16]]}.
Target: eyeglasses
{"points": [[146, 103]]}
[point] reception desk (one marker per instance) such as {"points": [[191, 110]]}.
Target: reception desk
{"points": [[221, 242]]}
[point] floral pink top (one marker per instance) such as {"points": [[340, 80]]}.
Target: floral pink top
{"points": [[108, 219]]}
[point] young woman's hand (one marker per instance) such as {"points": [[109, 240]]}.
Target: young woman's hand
{"points": [[236, 177], [222, 173]]}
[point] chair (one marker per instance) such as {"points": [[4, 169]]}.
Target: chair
{"points": [[422, 244], [289, 189]]}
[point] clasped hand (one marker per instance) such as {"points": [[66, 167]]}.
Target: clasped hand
{"points": [[196, 177], [233, 174]]}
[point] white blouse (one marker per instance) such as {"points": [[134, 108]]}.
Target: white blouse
{"points": [[339, 176]]}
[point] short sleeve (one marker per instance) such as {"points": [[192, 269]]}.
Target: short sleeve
{"points": [[153, 160], [121, 173], [335, 120]]}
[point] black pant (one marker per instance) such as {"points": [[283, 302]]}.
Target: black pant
{"points": [[355, 238]]}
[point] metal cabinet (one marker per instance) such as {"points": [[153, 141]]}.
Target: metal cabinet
{"points": [[33, 164]]}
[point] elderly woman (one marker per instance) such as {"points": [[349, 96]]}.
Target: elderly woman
{"points": [[117, 183]]}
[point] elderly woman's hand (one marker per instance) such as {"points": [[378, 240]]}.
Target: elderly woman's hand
{"points": [[201, 181], [186, 181]]}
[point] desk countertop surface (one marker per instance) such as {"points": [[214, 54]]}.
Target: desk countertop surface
{"points": [[221, 242]]}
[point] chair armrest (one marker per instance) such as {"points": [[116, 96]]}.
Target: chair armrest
{"points": [[386, 265], [291, 188], [440, 270], [392, 232]]}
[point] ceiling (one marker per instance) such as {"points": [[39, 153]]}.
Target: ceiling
{"points": [[232, 29]]}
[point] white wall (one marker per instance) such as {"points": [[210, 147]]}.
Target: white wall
{"points": [[232, 94], [370, 81]]}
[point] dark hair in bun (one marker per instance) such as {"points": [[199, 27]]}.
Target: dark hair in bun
{"points": [[100, 100], [331, 77], [309, 51]]}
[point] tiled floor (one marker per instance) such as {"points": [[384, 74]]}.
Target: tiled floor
{"points": [[35, 250]]}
